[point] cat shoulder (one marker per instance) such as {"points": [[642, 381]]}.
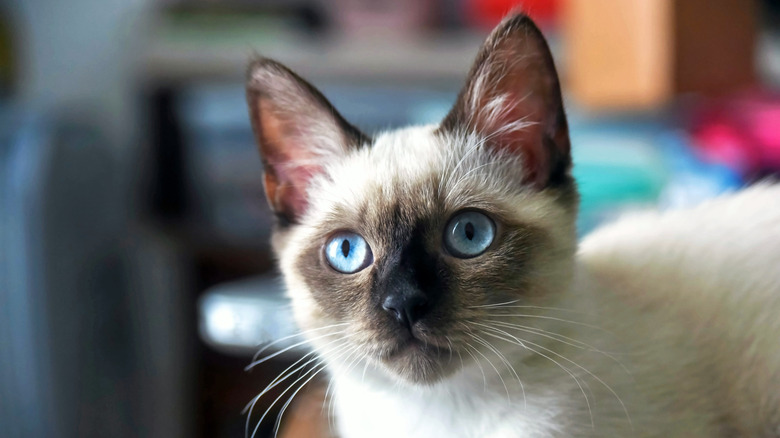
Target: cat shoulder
{"points": [[729, 227], [706, 277], [723, 252]]}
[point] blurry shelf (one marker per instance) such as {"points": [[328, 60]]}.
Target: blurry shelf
{"points": [[181, 53]]}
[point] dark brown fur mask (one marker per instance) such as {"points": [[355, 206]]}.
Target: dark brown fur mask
{"points": [[393, 247]]}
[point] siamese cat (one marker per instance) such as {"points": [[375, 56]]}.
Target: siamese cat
{"points": [[437, 275]]}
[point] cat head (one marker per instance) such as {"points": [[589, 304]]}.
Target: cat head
{"points": [[394, 246]]}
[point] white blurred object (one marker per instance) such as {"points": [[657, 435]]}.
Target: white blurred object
{"points": [[240, 317]]}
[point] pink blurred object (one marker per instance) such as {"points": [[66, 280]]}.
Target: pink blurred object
{"points": [[742, 133], [370, 17]]}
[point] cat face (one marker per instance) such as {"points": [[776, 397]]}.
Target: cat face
{"points": [[394, 247]]}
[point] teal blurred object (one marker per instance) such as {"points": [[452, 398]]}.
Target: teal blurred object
{"points": [[634, 164], [616, 168]]}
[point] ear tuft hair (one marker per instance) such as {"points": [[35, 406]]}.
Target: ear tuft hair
{"points": [[512, 98]]}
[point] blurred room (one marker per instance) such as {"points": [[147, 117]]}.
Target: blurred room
{"points": [[136, 280]]}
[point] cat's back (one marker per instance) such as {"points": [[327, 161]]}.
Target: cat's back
{"points": [[727, 249], [709, 275]]}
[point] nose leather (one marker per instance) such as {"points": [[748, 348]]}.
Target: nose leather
{"points": [[406, 306]]}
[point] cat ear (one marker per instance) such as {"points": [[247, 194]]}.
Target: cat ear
{"points": [[512, 99], [298, 132]]}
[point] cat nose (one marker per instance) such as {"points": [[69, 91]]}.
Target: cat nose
{"points": [[406, 308]]}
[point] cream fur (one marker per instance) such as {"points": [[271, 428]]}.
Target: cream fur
{"points": [[679, 312], [691, 300]]}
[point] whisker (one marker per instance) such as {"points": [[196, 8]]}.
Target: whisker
{"points": [[522, 343], [494, 304], [284, 375], [609, 388], [598, 379], [290, 399], [557, 309], [476, 338], [321, 366], [539, 332], [451, 347], [508, 365], [553, 318], [286, 349], [355, 349], [259, 422], [301, 333], [279, 378], [331, 405], [484, 378], [555, 336]]}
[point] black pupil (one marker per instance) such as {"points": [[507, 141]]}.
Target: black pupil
{"points": [[345, 247], [469, 229]]}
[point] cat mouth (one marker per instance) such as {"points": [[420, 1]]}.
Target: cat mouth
{"points": [[417, 361], [411, 346]]}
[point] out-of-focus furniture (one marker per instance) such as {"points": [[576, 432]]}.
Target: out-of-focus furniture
{"points": [[91, 326], [640, 54]]}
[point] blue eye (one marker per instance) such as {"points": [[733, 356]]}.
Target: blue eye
{"points": [[469, 234], [348, 252]]}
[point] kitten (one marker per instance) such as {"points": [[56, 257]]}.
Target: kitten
{"points": [[436, 272]]}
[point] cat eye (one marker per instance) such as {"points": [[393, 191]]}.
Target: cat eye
{"points": [[469, 234], [348, 252]]}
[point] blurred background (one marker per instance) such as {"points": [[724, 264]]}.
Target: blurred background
{"points": [[135, 275]]}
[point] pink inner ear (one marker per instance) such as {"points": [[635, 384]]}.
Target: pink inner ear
{"points": [[290, 196], [290, 165], [504, 127]]}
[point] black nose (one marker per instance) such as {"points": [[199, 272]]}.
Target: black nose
{"points": [[407, 308]]}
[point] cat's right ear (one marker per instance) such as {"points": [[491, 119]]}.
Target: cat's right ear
{"points": [[297, 131], [512, 99]]}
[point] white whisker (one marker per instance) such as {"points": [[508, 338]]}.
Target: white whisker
{"points": [[560, 338], [509, 366], [484, 378], [522, 343], [319, 364], [553, 318], [485, 343], [286, 349], [301, 333]]}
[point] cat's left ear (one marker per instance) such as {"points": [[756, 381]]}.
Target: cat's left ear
{"points": [[512, 99], [298, 132]]}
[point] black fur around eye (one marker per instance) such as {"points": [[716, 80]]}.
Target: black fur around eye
{"points": [[469, 234]]}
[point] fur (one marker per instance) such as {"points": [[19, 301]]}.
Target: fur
{"points": [[685, 304], [656, 326], [689, 342]]}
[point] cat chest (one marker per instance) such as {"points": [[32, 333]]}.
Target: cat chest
{"points": [[362, 411]]}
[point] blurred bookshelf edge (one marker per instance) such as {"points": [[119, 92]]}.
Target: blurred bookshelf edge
{"points": [[202, 48]]}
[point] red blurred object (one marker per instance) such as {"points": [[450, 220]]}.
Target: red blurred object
{"points": [[487, 14], [742, 133]]}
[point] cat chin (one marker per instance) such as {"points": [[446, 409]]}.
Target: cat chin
{"points": [[417, 364]]}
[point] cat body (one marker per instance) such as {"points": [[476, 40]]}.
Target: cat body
{"points": [[693, 342], [436, 272]]}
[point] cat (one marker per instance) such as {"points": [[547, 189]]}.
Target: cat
{"points": [[437, 274]]}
